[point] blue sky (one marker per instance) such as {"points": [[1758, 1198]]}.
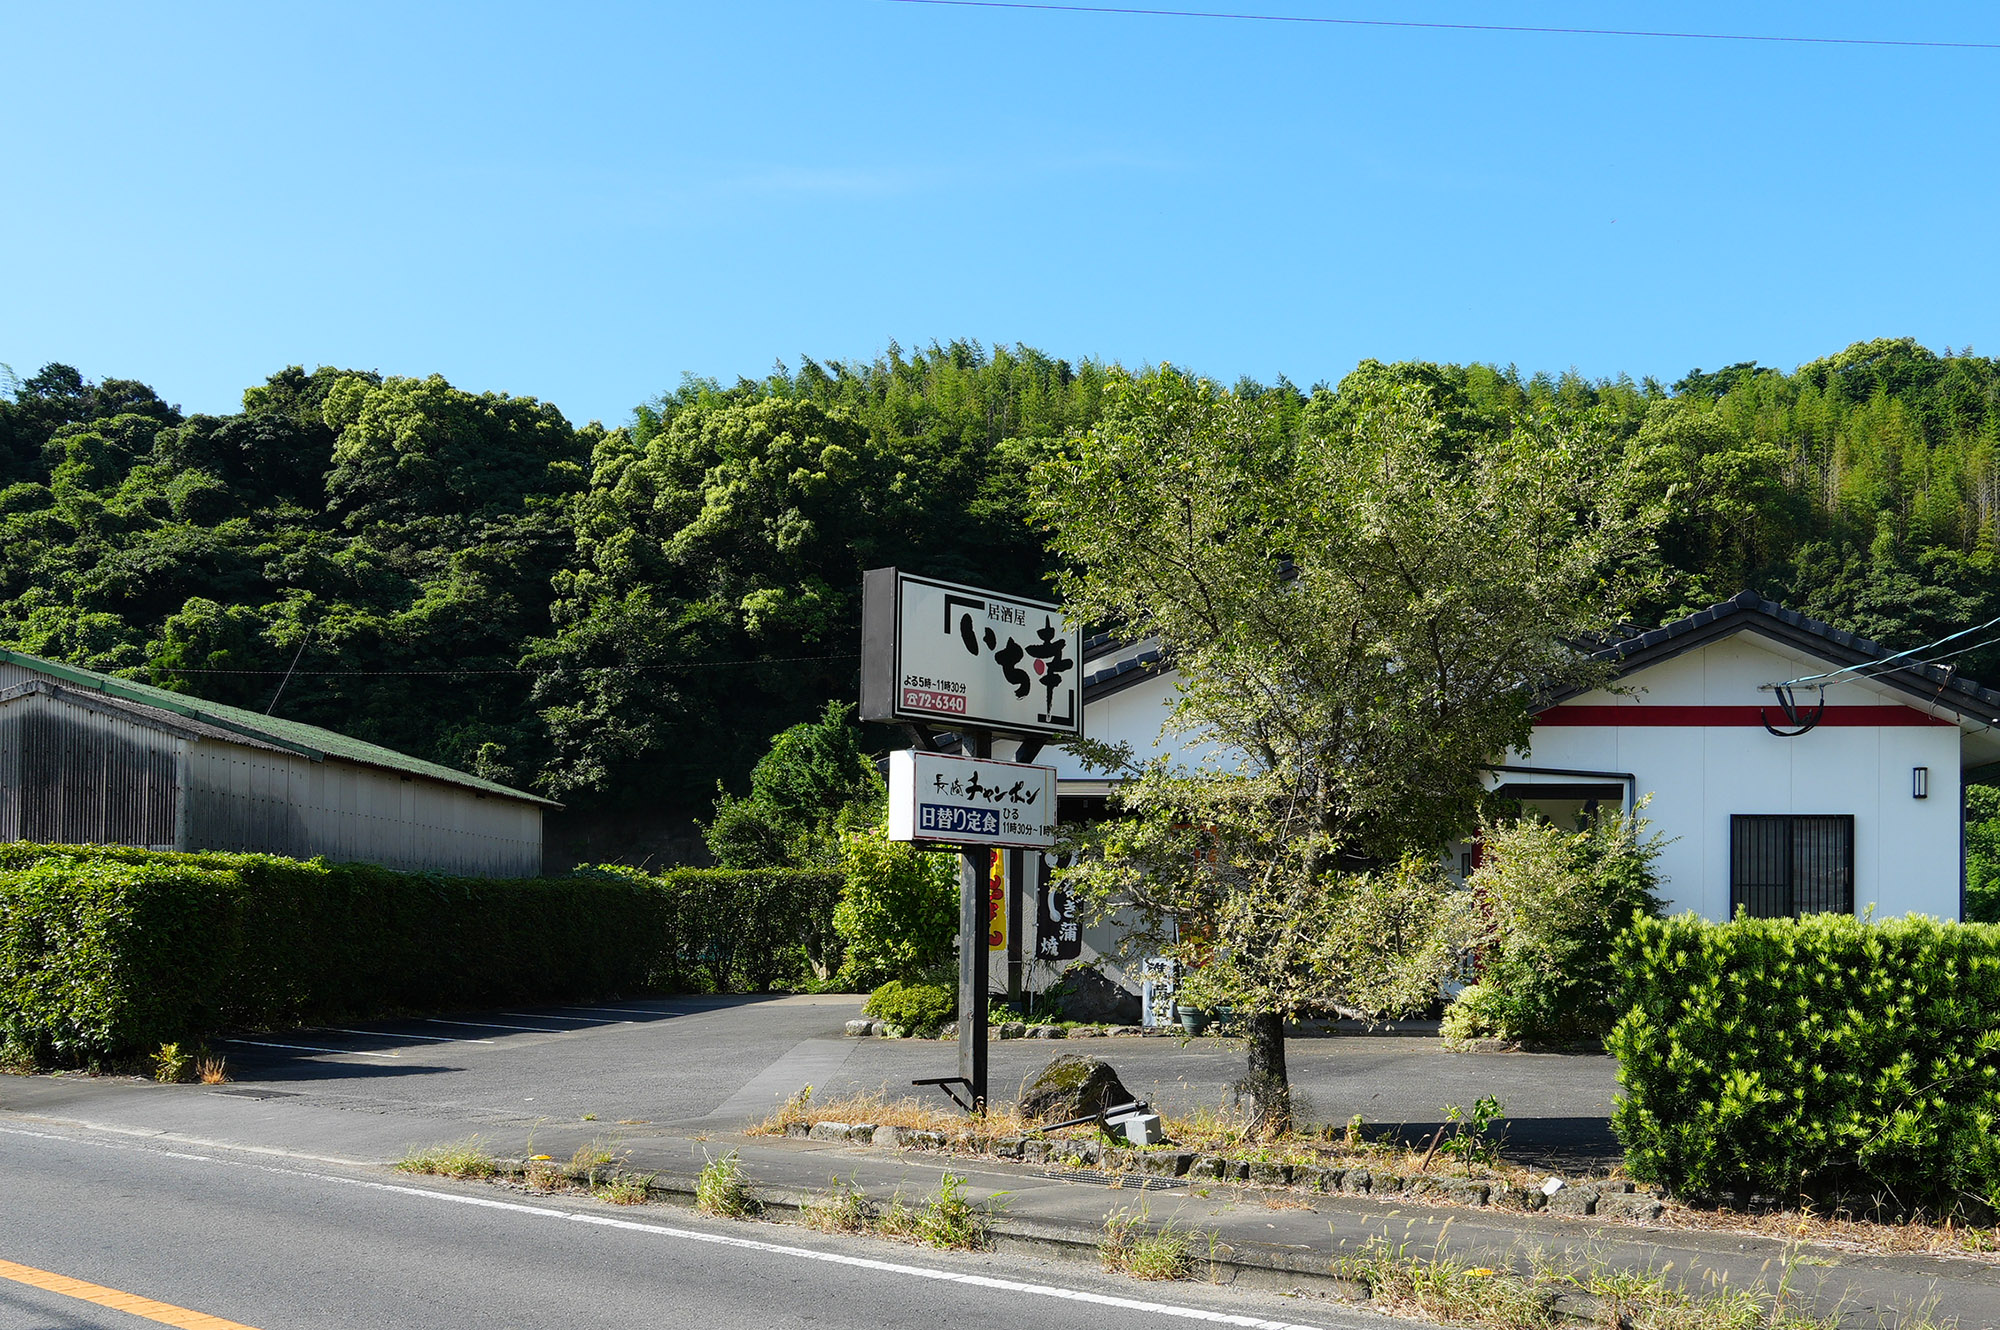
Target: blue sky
{"points": [[583, 202]]}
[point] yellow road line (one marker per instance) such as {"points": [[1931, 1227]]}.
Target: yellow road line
{"points": [[111, 1297]]}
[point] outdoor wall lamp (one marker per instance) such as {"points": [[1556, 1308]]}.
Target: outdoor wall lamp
{"points": [[1920, 782]]}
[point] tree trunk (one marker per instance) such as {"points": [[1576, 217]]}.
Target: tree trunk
{"points": [[1265, 1092]]}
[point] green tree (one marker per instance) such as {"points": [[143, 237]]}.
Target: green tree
{"points": [[1982, 854], [816, 771], [1362, 613]]}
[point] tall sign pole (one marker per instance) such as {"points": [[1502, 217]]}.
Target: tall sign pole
{"points": [[954, 662]]}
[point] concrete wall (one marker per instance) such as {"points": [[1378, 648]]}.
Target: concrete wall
{"points": [[1906, 850]]}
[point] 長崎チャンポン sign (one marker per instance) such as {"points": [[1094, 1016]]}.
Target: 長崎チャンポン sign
{"points": [[970, 801]]}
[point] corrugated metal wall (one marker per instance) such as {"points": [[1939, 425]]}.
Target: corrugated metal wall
{"points": [[72, 774], [76, 776], [249, 798]]}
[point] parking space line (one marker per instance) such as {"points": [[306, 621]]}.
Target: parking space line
{"points": [[308, 1048], [629, 1011], [130, 1303], [384, 1034], [491, 1025], [558, 1016]]}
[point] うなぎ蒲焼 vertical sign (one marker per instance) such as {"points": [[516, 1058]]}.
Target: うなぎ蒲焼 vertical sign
{"points": [[953, 655], [970, 801]]}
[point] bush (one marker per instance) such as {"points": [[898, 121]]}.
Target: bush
{"points": [[747, 928], [1813, 1056], [1556, 902], [1982, 854], [798, 789], [920, 1008], [109, 951], [898, 912]]}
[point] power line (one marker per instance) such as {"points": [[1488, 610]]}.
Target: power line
{"points": [[1452, 27], [1820, 679], [550, 669]]}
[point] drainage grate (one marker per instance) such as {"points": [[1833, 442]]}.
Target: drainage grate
{"points": [[1128, 1181]]}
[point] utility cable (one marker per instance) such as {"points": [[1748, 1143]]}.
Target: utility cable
{"points": [[1453, 27], [539, 670], [1900, 655]]}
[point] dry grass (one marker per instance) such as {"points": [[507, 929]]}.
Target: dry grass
{"points": [[1132, 1247], [625, 1189], [212, 1070], [468, 1158], [843, 1209]]}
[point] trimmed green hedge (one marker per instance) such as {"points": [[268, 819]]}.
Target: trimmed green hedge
{"points": [[747, 928], [107, 951], [1822, 1056]]}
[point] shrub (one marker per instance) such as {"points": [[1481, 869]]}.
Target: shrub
{"points": [[1556, 901], [918, 1007], [1982, 854], [898, 911], [110, 951], [798, 789], [747, 928], [1812, 1056]]}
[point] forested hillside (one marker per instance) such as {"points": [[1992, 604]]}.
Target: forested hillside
{"points": [[619, 618]]}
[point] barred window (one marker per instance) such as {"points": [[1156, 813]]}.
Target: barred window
{"points": [[1785, 866]]}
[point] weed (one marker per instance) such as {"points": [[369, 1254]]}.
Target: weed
{"points": [[590, 1117], [468, 1158], [212, 1070], [721, 1191], [843, 1209], [624, 1189], [1128, 1245], [171, 1065], [897, 1220], [588, 1157], [1469, 1143], [949, 1221], [543, 1173]]}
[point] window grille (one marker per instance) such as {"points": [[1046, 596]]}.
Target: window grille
{"points": [[1784, 866]]}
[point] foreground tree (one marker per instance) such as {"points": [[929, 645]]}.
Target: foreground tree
{"points": [[1363, 605]]}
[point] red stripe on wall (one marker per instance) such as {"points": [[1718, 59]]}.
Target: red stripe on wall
{"points": [[1729, 716]]}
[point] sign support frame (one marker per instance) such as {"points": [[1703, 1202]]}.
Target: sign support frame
{"points": [[882, 686]]}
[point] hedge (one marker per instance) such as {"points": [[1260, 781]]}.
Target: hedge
{"points": [[1825, 1057], [107, 951]]}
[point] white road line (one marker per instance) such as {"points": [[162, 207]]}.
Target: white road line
{"points": [[558, 1016], [308, 1048], [489, 1025], [384, 1034], [1166, 1309], [627, 1011]]}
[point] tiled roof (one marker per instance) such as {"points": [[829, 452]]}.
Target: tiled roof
{"points": [[235, 724]]}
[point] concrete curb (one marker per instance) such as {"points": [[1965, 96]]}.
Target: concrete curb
{"points": [[1268, 1268]]}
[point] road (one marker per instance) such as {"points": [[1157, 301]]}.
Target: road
{"points": [[277, 1243]]}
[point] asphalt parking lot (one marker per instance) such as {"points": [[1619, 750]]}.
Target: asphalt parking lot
{"points": [[720, 1063]]}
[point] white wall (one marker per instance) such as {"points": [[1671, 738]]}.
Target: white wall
{"points": [[1906, 850]]}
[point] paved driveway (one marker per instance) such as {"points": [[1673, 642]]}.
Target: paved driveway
{"points": [[720, 1063]]}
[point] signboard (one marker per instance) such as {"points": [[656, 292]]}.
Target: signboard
{"points": [[958, 656], [1058, 931], [970, 801], [996, 901]]}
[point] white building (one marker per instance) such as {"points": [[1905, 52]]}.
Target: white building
{"points": [[1862, 810]]}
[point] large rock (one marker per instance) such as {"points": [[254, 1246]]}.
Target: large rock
{"points": [[1092, 997], [1072, 1086]]}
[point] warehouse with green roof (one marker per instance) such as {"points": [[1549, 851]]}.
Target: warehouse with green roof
{"points": [[88, 758]]}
